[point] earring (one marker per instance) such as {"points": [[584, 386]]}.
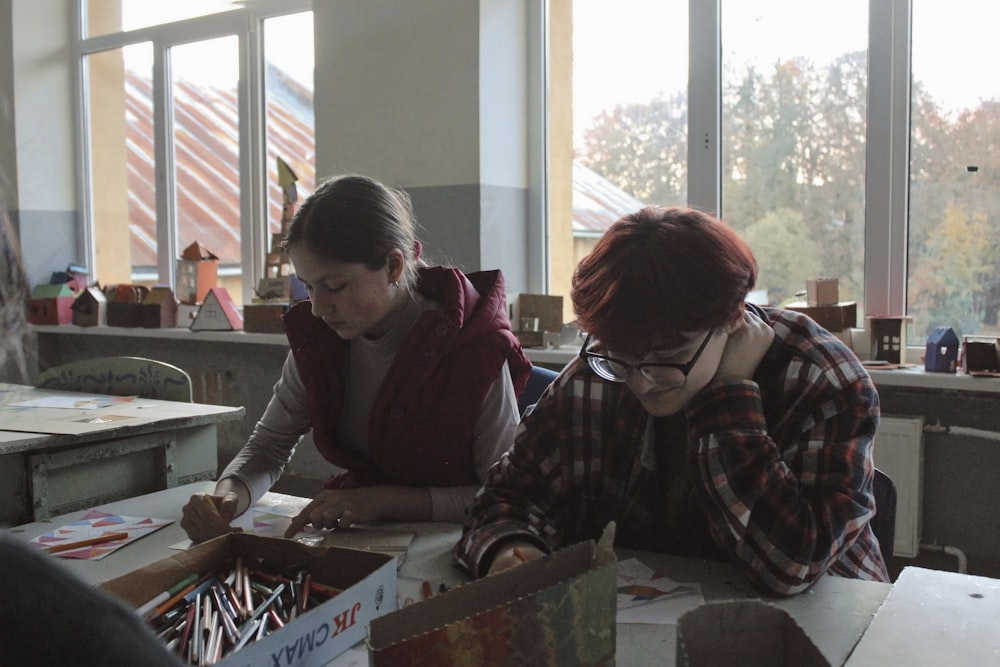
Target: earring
{"points": [[395, 283]]}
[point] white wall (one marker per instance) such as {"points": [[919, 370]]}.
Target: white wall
{"points": [[44, 135]]}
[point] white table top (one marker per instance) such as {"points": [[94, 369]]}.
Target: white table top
{"points": [[31, 428], [934, 618]]}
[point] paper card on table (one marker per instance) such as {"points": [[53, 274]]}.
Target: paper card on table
{"points": [[648, 596], [74, 402], [78, 424], [95, 524]]}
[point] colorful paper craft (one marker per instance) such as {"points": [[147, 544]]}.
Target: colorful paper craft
{"points": [[648, 596], [94, 524]]}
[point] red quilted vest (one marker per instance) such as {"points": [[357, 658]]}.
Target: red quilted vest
{"points": [[420, 429]]}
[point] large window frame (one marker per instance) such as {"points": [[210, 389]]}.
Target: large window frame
{"points": [[887, 139], [247, 26]]}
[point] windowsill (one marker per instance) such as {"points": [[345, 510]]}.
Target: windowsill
{"points": [[175, 333], [915, 377]]}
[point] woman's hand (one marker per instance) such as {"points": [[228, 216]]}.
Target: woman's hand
{"points": [[206, 516], [514, 553], [745, 349], [342, 507]]}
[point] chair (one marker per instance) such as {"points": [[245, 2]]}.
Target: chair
{"points": [[884, 522], [121, 376], [538, 382]]}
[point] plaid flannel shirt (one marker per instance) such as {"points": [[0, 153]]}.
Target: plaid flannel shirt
{"points": [[773, 474]]}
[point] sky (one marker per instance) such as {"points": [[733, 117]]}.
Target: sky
{"points": [[286, 38], [634, 53], [633, 50]]}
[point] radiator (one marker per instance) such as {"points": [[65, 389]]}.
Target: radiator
{"points": [[899, 453]]}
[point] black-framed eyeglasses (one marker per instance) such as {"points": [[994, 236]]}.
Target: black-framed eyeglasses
{"points": [[661, 374]]}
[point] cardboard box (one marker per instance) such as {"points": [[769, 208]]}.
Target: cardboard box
{"points": [[264, 317], [123, 314], [531, 338], [834, 318], [124, 307], [822, 291], [546, 309], [315, 637], [981, 356], [554, 611], [159, 309], [746, 633]]}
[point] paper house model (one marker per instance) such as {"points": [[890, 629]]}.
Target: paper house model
{"points": [[159, 309], [941, 355], [75, 276], [51, 304], [981, 356], [888, 338], [197, 273], [217, 313], [125, 304], [90, 308]]}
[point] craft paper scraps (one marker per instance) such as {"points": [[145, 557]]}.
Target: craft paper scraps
{"points": [[95, 524], [648, 596]]}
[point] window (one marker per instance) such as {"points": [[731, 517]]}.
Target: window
{"points": [[798, 157], [185, 124], [954, 240], [793, 149]]}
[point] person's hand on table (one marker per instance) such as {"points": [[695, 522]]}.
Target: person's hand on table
{"points": [[513, 553], [335, 508], [206, 516]]}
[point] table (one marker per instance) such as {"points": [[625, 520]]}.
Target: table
{"points": [[934, 618], [55, 460], [835, 612]]}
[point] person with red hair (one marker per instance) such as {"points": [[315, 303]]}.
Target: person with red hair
{"points": [[701, 425]]}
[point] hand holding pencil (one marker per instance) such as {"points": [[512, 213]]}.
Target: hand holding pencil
{"points": [[206, 516]]}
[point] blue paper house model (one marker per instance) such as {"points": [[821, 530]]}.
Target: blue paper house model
{"points": [[941, 355]]}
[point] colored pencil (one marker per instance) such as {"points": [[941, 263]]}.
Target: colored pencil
{"points": [[147, 609], [100, 539]]}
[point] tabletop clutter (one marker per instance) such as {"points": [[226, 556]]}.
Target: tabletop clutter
{"points": [[244, 599]]}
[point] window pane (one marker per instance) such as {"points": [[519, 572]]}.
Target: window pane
{"points": [[793, 140], [110, 16], [206, 145], [954, 239], [629, 118], [123, 187], [289, 116]]}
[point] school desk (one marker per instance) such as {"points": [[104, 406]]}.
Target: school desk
{"points": [[834, 613], [56, 459]]}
